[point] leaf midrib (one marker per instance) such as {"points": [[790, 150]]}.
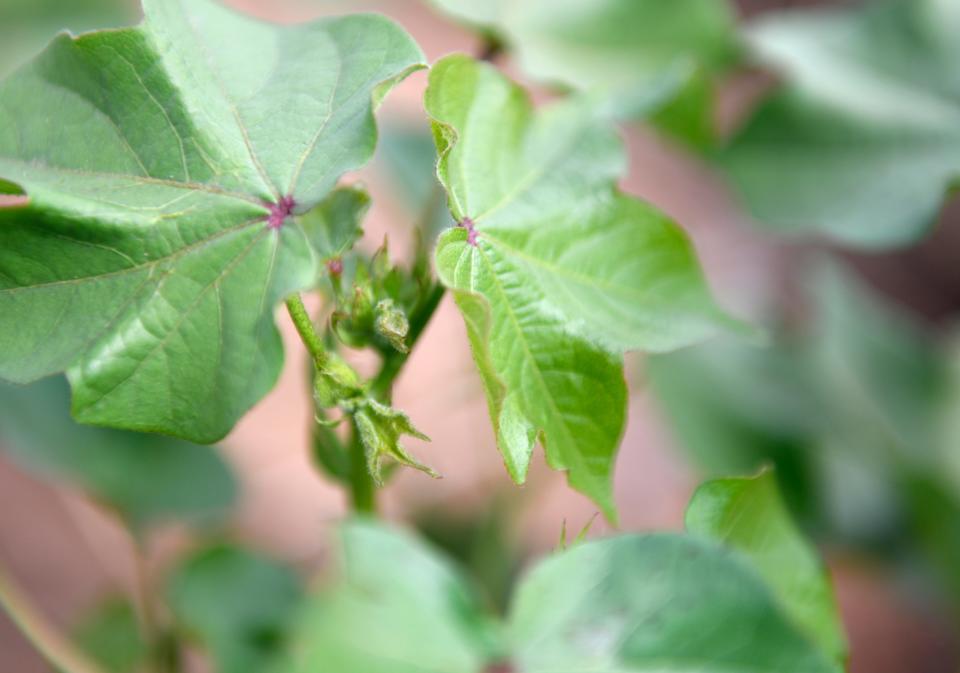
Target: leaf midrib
{"points": [[140, 267], [526, 347]]}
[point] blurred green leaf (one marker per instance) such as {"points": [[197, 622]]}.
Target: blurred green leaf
{"points": [[238, 604], [147, 478], [863, 142], [851, 409], [408, 157], [654, 602], [631, 603], [735, 407], [641, 58], [747, 514], [110, 635], [395, 607]]}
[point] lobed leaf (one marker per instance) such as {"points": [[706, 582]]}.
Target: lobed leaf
{"points": [[165, 166], [555, 271]]}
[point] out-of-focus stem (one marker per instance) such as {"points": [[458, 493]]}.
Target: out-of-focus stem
{"points": [[57, 650]]}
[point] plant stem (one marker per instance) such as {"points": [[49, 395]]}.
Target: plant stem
{"points": [[308, 335], [161, 652], [363, 492], [57, 650]]}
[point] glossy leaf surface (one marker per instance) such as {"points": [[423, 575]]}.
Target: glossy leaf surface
{"points": [[164, 165], [555, 271], [147, 479], [861, 144]]}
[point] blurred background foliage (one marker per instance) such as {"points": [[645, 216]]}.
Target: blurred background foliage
{"points": [[847, 147]]}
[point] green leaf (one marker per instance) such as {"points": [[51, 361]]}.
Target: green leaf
{"points": [[627, 604], [640, 58], [333, 227], [237, 604], [851, 408], [734, 408], [110, 635], [148, 479], [556, 272], [748, 514], [395, 607], [162, 164], [862, 144]]}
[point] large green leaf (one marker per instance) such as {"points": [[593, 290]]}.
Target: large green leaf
{"points": [[555, 271], [237, 604], [748, 514], [864, 140], [145, 478], [623, 605], [163, 164], [640, 57]]}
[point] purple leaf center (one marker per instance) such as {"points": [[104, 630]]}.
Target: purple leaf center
{"points": [[280, 211], [467, 224]]}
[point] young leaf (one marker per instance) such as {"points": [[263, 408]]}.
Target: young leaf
{"points": [[164, 164], [748, 514], [556, 272], [395, 607], [641, 57], [147, 479], [863, 143], [238, 604]]}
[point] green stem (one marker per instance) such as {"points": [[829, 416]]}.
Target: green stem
{"points": [[57, 650], [363, 492], [308, 335]]}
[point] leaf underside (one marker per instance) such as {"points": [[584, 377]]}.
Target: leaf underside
{"points": [[555, 271], [165, 166]]}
